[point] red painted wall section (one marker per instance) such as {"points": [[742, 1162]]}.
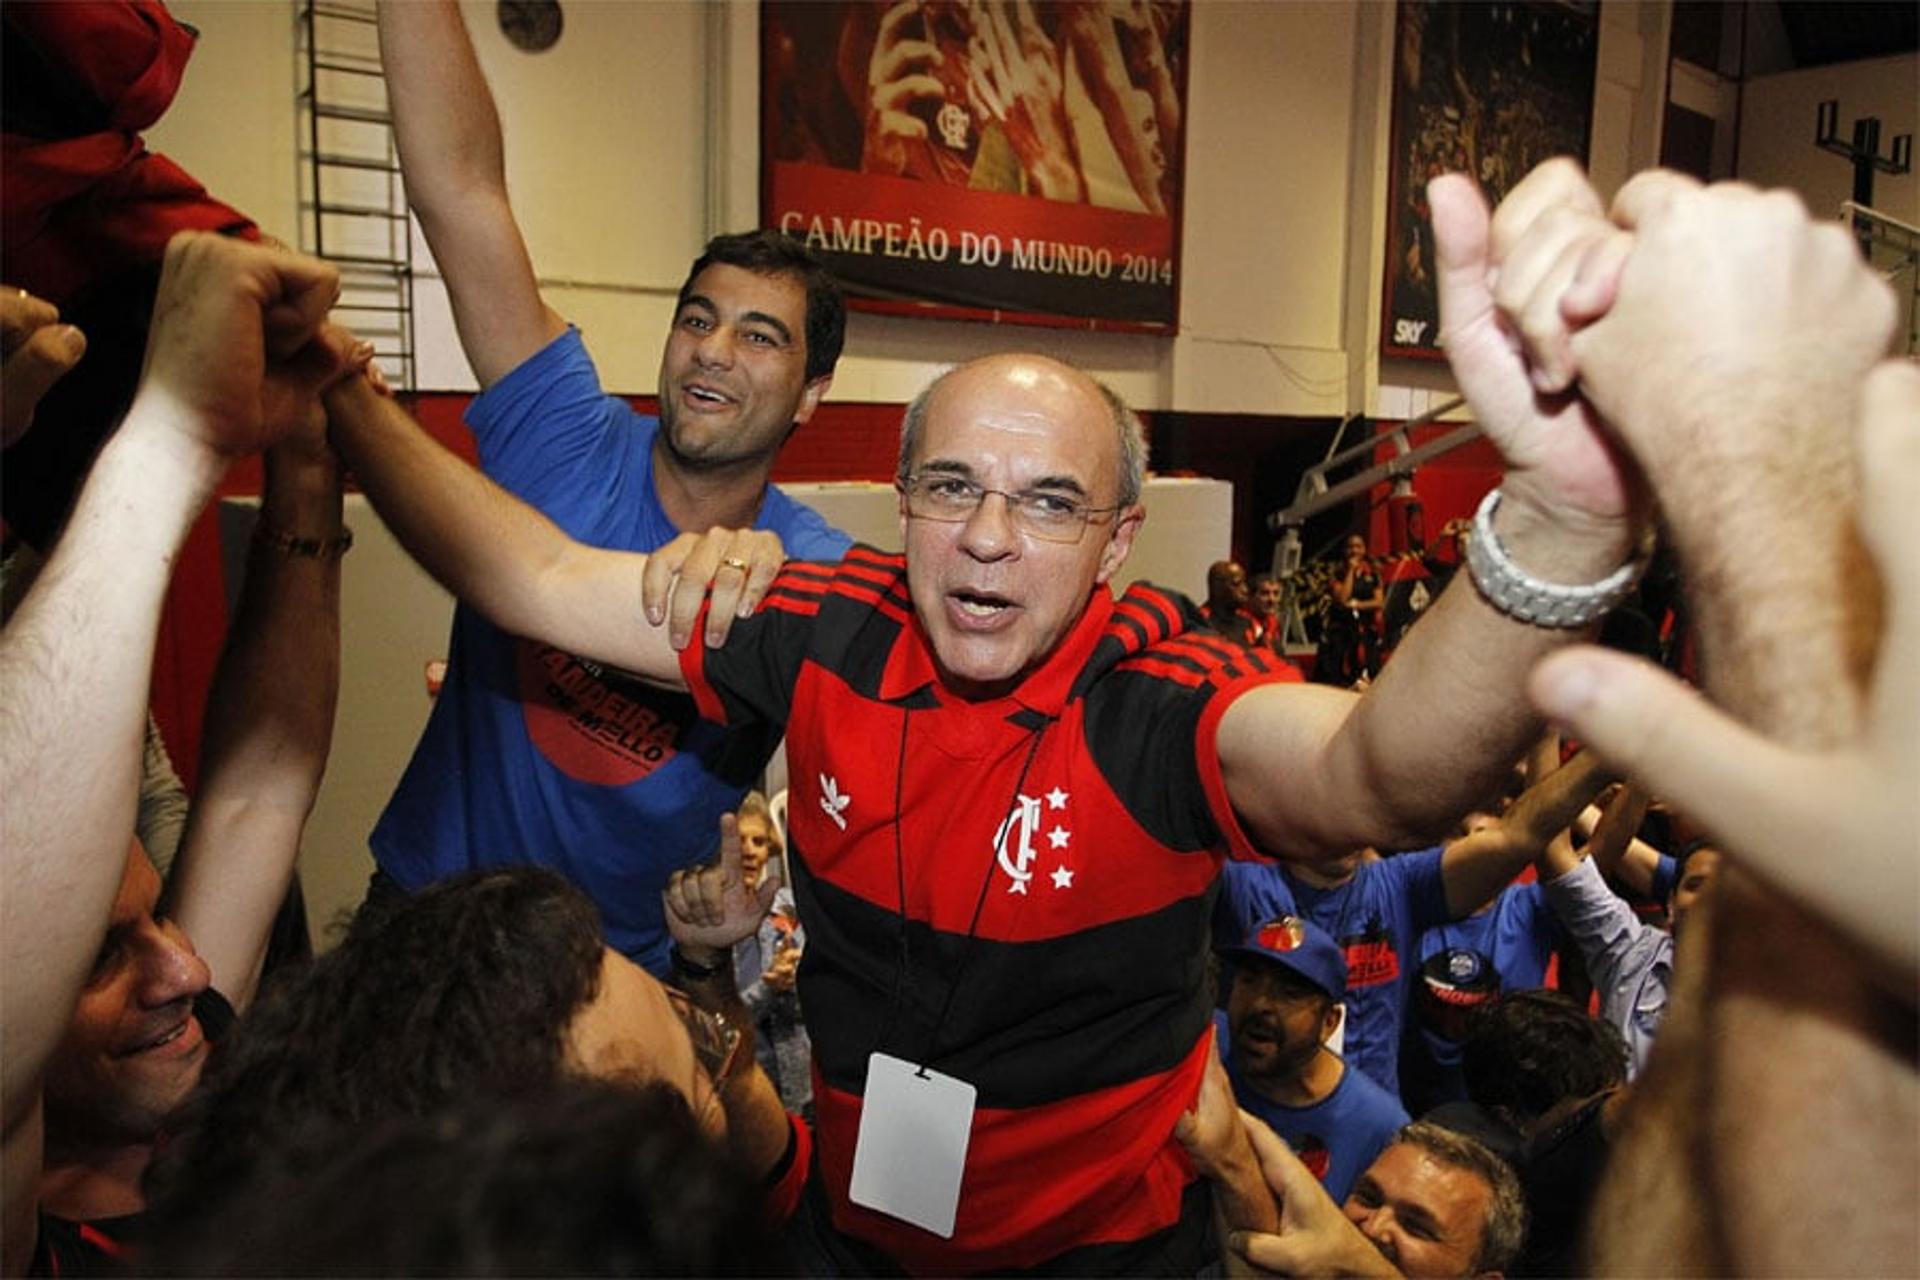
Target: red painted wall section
{"points": [[1451, 485]]}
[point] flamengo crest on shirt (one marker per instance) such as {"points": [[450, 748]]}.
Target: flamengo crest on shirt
{"points": [[1014, 842]]}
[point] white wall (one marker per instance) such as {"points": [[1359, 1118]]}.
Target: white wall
{"points": [[636, 137], [1777, 125]]}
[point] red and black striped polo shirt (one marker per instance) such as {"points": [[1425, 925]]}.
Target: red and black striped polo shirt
{"points": [[1015, 892]]}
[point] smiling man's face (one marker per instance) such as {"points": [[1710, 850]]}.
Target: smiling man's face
{"points": [[733, 376], [133, 1047], [995, 601]]}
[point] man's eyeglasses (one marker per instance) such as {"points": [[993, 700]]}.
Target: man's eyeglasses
{"points": [[1048, 515], [716, 1042]]}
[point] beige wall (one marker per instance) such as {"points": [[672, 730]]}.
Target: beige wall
{"points": [[636, 137], [1777, 125]]}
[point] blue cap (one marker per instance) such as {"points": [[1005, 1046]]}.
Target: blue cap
{"points": [[1301, 946]]}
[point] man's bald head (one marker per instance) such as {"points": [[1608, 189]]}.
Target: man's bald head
{"points": [[1028, 369]]}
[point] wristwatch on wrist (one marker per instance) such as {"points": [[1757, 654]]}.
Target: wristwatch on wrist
{"points": [[1518, 594]]}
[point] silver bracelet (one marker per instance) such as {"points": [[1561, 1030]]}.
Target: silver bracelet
{"points": [[1518, 594]]}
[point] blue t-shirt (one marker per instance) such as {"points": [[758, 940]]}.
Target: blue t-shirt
{"points": [[1377, 918], [535, 756], [1338, 1136]]}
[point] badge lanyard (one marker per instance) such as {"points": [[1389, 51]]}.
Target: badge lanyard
{"points": [[905, 970]]}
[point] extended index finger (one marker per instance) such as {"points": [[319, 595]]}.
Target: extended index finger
{"points": [[731, 851]]}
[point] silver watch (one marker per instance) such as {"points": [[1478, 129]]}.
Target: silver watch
{"points": [[1518, 594]]}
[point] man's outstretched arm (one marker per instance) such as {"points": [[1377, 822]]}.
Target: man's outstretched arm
{"points": [[1315, 772], [453, 162], [492, 550]]}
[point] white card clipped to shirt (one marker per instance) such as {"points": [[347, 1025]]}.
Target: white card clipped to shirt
{"points": [[912, 1148]]}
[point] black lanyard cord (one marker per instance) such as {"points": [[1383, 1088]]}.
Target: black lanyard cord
{"points": [[980, 903]]}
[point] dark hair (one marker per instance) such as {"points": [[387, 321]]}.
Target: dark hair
{"points": [[589, 1179], [770, 253], [467, 988], [1505, 1230], [1687, 850], [1528, 1051]]}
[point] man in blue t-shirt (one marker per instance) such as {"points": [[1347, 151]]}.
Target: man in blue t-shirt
{"points": [[533, 754], [1287, 978], [1377, 908]]}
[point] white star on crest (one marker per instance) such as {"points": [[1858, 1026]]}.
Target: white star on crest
{"points": [[1062, 878], [1056, 799], [1018, 886], [1057, 838]]}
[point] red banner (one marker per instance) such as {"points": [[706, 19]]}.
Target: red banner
{"points": [[982, 158]]}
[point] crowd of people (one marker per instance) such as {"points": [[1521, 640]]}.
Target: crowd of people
{"points": [[1092, 938]]}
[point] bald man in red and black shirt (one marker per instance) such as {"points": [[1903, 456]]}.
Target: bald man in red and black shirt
{"points": [[1013, 793]]}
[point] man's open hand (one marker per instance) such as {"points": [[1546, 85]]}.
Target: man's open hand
{"points": [[734, 566]]}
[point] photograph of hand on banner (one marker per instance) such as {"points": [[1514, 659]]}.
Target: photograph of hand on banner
{"points": [[1071, 102]]}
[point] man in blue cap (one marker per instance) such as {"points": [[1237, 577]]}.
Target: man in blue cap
{"points": [[1286, 980]]}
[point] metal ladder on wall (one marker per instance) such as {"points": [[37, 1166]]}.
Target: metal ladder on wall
{"points": [[353, 208]]}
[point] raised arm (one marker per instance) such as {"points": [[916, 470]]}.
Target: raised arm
{"points": [[1621, 855], [232, 334], [708, 910], [1315, 773], [453, 163], [1475, 868], [269, 722]]}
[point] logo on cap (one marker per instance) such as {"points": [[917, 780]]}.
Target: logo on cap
{"points": [[1283, 934]]}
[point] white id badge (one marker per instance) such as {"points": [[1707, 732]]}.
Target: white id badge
{"points": [[912, 1148]]}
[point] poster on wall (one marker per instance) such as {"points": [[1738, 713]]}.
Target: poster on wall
{"points": [[1489, 90], [1011, 159]]}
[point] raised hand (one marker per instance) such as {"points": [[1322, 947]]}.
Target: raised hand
{"points": [[1737, 318], [898, 76], [711, 907], [734, 566], [1560, 457], [236, 341], [1018, 77]]}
